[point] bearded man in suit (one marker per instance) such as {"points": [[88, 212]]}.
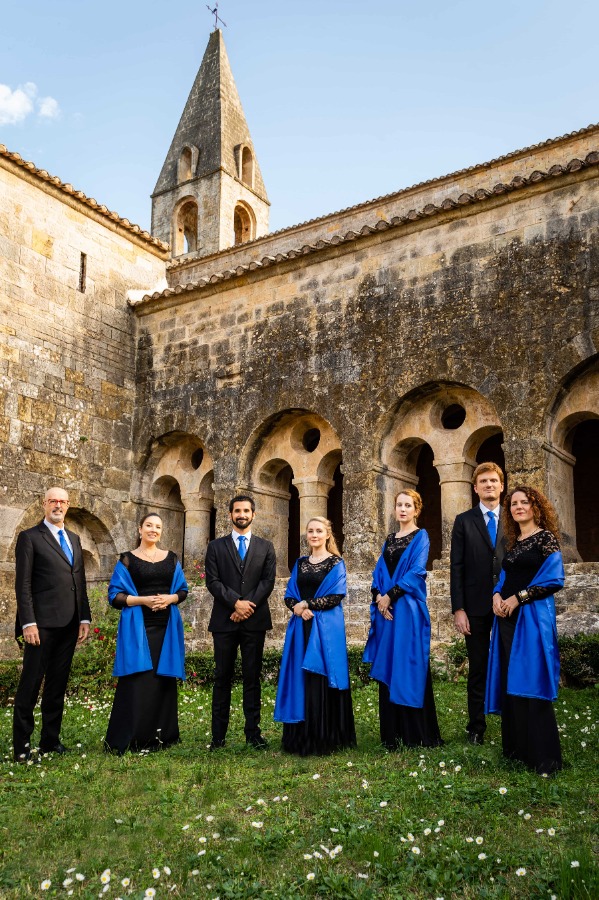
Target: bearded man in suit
{"points": [[240, 575], [53, 616], [477, 549]]}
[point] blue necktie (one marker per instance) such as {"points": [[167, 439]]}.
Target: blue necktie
{"points": [[65, 547], [492, 526], [241, 545]]}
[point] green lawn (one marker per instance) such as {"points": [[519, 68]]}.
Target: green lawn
{"points": [[457, 821]]}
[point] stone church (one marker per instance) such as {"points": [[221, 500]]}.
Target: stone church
{"points": [[321, 367]]}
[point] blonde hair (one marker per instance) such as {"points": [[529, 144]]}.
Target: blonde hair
{"points": [[415, 496], [331, 543]]}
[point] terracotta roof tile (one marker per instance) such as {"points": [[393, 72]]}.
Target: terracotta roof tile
{"points": [[386, 197], [465, 199], [67, 188]]}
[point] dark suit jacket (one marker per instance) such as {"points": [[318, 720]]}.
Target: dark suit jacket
{"points": [[48, 588], [475, 563], [229, 580]]}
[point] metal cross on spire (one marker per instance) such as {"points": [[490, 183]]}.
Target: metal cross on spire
{"points": [[217, 18]]}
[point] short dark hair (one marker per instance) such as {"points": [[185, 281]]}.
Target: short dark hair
{"points": [[240, 498]]}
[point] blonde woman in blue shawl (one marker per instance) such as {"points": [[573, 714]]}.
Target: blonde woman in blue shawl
{"points": [[147, 585], [313, 695], [398, 645]]}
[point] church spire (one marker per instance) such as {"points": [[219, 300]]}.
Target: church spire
{"points": [[210, 193]]}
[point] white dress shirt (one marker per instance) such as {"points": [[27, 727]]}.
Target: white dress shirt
{"points": [[485, 511], [248, 536]]}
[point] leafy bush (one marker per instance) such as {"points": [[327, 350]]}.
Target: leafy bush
{"points": [[579, 657]]}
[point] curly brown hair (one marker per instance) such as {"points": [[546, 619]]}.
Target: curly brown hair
{"points": [[544, 514]]}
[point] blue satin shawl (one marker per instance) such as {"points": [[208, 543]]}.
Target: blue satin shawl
{"points": [[325, 653], [399, 649], [132, 649], [534, 660]]}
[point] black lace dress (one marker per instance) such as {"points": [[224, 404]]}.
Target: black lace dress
{"points": [[528, 727], [144, 712], [329, 722], [405, 724]]}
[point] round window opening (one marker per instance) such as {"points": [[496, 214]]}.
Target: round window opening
{"points": [[453, 417], [196, 458], [311, 440]]}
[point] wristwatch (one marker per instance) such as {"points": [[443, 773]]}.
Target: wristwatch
{"points": [[522, 597]]}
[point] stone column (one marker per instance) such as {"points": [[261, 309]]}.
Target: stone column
{"points": [[197, 526], [313, 494], [455, 477]]}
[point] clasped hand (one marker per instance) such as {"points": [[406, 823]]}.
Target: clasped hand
{"points": [[383, 603], [159, 601], [301, 609], [504, 608], [243, 610]]}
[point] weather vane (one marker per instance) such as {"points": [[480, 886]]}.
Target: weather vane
{"points": [[217, 18]]}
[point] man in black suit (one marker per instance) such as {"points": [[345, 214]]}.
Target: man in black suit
{"points": [[240, 575], [477, 548], [53, 615]]}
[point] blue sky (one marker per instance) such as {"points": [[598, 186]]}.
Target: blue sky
{"points": [[345, 100]]}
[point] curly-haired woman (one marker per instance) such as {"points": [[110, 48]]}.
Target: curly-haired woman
{"points": [[523, 674]]}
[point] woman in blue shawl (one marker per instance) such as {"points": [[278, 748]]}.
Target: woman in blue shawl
{"points": [[523, 674], [313, 694], [147, 585], [398, 645]]}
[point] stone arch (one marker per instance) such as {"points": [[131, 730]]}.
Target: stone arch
{"points": [[177, 481], [439, 426], [185, 227], [289, 462], [187, 164], [572, 450], [244, 223]]}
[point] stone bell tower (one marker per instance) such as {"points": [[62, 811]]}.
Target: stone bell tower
{"points": [[210, 194]]}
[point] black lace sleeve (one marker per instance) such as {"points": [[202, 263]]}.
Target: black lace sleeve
{"points": [[120, 601], [323, 603]]}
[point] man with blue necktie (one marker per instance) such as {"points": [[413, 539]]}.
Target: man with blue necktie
{"points": [[477, 549], [53, 616], [240, 575]]}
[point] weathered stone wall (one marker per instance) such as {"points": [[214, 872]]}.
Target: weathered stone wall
{"points": [[67, 369], [492, 304]]}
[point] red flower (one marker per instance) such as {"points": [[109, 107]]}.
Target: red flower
{"points": [[96, 631], [101, 637]]}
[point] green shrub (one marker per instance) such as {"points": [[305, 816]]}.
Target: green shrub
{"points": [[579, 657]]}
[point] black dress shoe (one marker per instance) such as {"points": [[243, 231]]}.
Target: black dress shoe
{"points": [[476, 738], [57, 748], [216, 745], [258, 742]]}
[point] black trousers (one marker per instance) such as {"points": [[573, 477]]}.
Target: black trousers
{"points": [[52, 659], [251, 644], [477, 645]]}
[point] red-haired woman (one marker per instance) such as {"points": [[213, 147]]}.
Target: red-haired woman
{"points": [[523, 674], [398, 645]]}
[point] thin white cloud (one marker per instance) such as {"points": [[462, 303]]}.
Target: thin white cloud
{"points": [[48, 108], [16, 105]]}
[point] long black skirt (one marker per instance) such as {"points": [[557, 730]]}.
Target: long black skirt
{"points": [[329, 723], [144, 712], [407, 725], [528, 727]]}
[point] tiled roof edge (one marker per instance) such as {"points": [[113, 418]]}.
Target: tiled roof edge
{"points": [[67, 188], [517, 183], [384, 197]]}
